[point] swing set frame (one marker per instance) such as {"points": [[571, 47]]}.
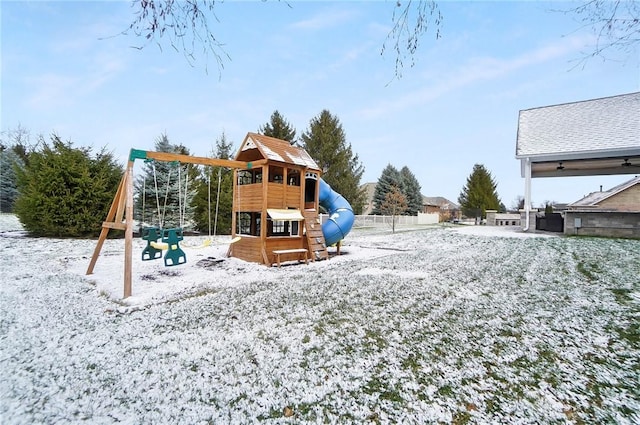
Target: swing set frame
{"points": [[120, 215]]}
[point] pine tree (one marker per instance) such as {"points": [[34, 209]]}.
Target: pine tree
{"points": [[63, 191], [389, 179], [13, 153], [411, 190], [325, 141], [479, 194], [279, 128], [168, 190], [215, 190], [9, 161]]}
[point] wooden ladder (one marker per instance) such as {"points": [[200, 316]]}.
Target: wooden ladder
{"points": [[315, 238]]}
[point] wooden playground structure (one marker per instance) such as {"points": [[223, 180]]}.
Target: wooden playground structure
{"points": [[275, 207]]}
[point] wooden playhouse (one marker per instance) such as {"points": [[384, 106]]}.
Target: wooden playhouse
{"points": [[277, 192], [276, 203]]}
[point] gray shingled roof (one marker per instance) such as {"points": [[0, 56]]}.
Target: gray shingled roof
{"points": [[585, 129], [439, 201], [595, 198]]}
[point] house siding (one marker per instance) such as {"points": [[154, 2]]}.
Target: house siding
{"points": [[628, 200]]}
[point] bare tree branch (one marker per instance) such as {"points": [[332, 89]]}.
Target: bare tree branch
{"points": [[411, 21], [615, 25], [186, 23]]}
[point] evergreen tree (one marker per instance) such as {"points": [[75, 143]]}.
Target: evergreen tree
{"points": [[13, 153], [389, 179], [215, 189], [411, 191], [479, 194], [279, 128], [325, 142], [9, 161], [63, 191], [168, 189]]}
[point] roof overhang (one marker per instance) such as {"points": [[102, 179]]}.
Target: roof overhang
{"points": [[567, 167]]}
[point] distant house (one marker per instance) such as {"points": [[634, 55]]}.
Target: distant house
{"points": [[614, 212], [437, 204], [430, 204]]}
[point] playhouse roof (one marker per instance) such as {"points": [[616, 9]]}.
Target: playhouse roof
{"points": [[275, 150]]}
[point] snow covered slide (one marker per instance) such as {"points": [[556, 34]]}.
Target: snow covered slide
{"points": [[341, 215]]}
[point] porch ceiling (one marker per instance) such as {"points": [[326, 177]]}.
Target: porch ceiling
{"points": [[606, 165]]}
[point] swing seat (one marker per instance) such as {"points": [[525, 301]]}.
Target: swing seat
{"points": [[151, 251], [204, 244], [174, 255], [160, 245]]}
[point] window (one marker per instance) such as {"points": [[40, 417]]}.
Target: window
{"points": [[283, 228], [276, 174], [248, 223], [284, 222], [249, 176], [293, 177], [244, 177]]}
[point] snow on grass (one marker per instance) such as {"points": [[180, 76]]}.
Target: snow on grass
{"points": [[464, 324]]}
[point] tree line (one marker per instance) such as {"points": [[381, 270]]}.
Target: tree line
{"points": [[57, 189], [60, 190]]}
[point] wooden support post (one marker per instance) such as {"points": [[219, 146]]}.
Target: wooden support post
{"points": [[128, 233], [111, 215], [122, 205]]}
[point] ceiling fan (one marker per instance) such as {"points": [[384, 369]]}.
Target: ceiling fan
{"points": [[626, 163]]}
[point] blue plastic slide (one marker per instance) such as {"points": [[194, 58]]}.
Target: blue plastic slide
{"points": [[341, 215]]}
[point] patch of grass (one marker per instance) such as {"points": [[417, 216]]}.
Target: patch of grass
{"points": [[272, 414], [376, 337], [631, 334], [622, 295], [238, 399], [588, 270], [445, 391], [376, 385], [412, 362], [200, 293], [461, 417]]}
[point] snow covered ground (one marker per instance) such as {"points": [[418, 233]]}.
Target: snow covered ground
{"points": [[464, 324]]}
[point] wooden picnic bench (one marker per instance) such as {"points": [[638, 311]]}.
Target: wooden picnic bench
{"points": [[277, 253]]}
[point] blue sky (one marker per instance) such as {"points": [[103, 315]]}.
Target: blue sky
{"points": [[66, 70]]}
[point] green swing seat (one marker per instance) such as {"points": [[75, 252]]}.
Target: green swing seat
{"points": [[170, 241], [175, 255], [151, 235]]}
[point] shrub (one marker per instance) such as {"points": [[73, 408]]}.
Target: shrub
{"points": [[64, 191]]}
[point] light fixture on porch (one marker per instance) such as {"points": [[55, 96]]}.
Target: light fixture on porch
{"points": [[626, 163], [560, 166]]}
